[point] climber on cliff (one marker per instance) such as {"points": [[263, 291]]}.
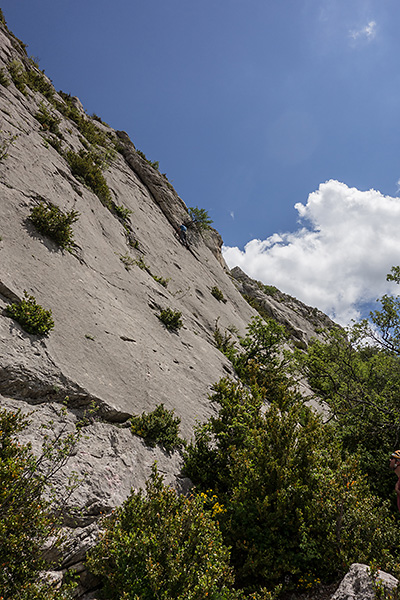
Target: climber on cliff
{"points": [[395, 465], [182, 235]]}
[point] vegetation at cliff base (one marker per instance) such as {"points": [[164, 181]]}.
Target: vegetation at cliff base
{"points": [[163, 545]]}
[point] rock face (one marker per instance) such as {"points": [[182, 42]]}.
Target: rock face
{"points": [[358, 584], [108, 346]]}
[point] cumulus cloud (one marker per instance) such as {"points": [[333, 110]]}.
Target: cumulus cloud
{"points": [[338, 260], [367, 33]]}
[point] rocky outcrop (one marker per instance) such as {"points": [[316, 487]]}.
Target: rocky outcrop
{"points": [[301, 321], [359, 584]]}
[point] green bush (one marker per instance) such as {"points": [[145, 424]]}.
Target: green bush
{"points": [[295, 502], [158, 427], [216, 292], [37, 82], [32, 317], [224, 342], [93, 134], [49, 220], [48, 120], [85, 166], [270, 290], [161, 545], [18, 75], [200, 217], [171, 319], [27, 518]]}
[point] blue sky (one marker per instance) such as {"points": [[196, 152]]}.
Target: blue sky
{"points": [[277, 117]]}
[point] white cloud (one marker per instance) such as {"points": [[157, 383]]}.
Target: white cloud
{"points": [[367, 33], [340, 260]]}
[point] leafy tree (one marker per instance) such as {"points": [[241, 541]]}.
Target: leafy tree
{"points": [[264, 360], [356, 374]]}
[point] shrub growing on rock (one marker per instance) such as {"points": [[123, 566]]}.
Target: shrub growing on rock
{"points": [[216, 292], [171, 319], [49, 220], [158, 427], [85, 166], [32, 317]]}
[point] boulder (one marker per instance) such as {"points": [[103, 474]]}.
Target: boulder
{"points": [[359, 584]]}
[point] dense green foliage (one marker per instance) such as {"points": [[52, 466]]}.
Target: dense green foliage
{"points": [[162, 546], [298, 505], [158, 427], [356, 373], [54, 223], [32, 317], [27, 519]]}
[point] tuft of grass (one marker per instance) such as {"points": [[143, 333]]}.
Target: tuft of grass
{"points": [[142, 265], [155, 164], [55, 142], [161, 280], [52, 222], [5, 144], [32, 317]]}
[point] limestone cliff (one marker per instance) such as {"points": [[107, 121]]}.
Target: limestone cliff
{"points": [[108, 345]]}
